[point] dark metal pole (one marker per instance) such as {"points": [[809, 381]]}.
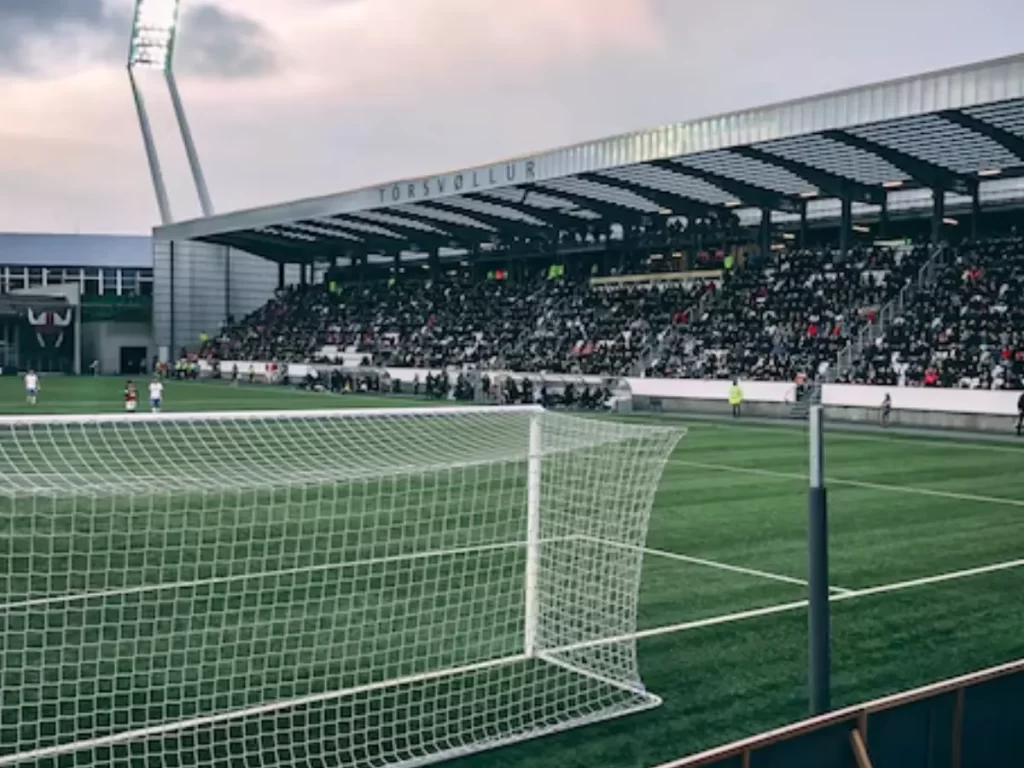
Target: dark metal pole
{"points": [[819, 619], [845, 225], [172, 352]]}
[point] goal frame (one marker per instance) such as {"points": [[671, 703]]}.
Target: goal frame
{"points": [[532, 566]]}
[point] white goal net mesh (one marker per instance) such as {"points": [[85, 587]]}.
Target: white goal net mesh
{"points": [[323, 588]]}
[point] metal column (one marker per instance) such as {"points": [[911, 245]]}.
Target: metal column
{"points": [[845, 225], [190, 146], [938, 213], [976, 212], [152, 158], [803, 223], [766, 232], [173, 354], [819, 618]]}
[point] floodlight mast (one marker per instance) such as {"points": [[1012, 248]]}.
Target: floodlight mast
{"points": [[154, 34]]}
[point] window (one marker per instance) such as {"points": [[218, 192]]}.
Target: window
{"points": [[35, 277], [92, 282], [19, 278], [129, 282], [109, 281]]}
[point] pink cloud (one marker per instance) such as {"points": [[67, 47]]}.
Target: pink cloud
{"points": [[383, 50]]}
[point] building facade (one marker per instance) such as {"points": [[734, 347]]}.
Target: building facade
{"points": [[92, 299]]}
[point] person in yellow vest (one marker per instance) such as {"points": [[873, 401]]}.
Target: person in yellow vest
{"points": [[735, 398]]}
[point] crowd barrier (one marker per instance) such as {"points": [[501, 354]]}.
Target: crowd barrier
{"points": [[911, 406]]}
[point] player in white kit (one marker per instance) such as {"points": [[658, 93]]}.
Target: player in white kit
{"points": [[156, 395], [31, 387]]}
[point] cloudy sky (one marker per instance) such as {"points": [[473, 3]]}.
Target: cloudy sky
{"points": [[293, 98]]}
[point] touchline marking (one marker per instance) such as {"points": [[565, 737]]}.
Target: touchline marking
{"points": [[855, 483], [939, 441], [796, 605], [718, 564]]}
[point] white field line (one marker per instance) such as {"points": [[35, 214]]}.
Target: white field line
{"points": [[717, 564], [854, 483], [940, 441], [796, 605]]}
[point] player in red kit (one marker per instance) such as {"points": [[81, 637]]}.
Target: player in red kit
{"points": [[131, 397]]}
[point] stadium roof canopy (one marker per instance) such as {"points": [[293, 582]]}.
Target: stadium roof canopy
{"points": [[957, 132]]}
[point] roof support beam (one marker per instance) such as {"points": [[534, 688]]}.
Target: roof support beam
{"points": [[928, 174], [457, 233], [1009, 141], [677, 204], [748, 194], [621, 214], [275, 248], [553, 218], [496, 222], [465, 232], [410, 234], [829, 183]]}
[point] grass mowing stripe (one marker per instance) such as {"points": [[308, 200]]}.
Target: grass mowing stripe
{"points": [[853, 483]]}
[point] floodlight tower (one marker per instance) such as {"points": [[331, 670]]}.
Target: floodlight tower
{"points": [[154, 32]]}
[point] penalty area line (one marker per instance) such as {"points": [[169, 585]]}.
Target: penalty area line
{"points": [[796, 605], [854, 483], [716, 564]]}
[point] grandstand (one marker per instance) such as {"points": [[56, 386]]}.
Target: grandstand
{"points": [[828, 187]]}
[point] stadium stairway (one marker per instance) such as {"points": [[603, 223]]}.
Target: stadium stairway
{"points": [[806, 396]]}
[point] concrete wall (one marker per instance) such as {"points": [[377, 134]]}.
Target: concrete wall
{"points": [[210, 283], [973, 422], [103, 341]]}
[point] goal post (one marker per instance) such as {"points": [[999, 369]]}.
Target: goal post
{"points": [[364, 587]]}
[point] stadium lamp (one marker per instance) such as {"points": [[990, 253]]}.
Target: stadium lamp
{"points": [[892, 184], [154, 32], [990, 172]]}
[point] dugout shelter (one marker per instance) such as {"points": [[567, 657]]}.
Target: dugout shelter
{"points": [[944, 148]]}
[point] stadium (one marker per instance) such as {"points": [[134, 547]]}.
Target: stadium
{"points": [[697, 446]]}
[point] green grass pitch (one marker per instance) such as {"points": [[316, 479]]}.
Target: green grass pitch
{"points": [[728, 537]]}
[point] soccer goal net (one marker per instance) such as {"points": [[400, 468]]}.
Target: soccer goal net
{"points": [[331, 588]]}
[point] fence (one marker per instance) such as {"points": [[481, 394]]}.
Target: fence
{"points": [[973, 720]]}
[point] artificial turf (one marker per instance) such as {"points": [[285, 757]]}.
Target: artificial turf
{"points": [[901, 508]]}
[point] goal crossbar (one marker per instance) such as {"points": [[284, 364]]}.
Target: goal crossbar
{"points": [[206, 417]]}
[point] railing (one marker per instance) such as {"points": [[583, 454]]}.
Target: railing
{"points": [[888, 314], [671, 335], [866, 731]]}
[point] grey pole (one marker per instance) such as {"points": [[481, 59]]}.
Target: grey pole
{"points": [[819, 619], [151, 154], [190, 146]]}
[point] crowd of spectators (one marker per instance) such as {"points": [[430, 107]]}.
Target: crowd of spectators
{"points": [[966, 330], [557, 326], [788, 318]]}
